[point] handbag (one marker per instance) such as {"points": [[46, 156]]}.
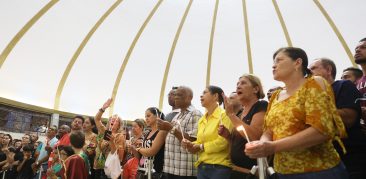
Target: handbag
{"points": [[112, 166]]}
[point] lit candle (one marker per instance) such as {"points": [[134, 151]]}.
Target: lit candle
{"points": [[241, 128], [59, 155]]}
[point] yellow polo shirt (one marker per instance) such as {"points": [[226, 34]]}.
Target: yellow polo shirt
{"points": [[216, 148]]}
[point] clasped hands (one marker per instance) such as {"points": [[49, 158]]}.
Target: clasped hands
{"points": [[189, 146], [259, 149]]}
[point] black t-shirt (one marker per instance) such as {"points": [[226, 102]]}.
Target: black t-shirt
{"points": [[346, 94], [26, 172], [238, 142], [12, 173], [158, 158], [2, 156]]}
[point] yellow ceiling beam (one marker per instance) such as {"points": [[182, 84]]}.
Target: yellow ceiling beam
{"points": [[171, 54], [247, 37], [86, 39], [336, 31], [209, 61], [4, 54], [282, 22], [129, 52]]}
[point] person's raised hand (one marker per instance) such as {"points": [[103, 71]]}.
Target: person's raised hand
{"points": [[107, 104], [164, 125], [229, 106]]}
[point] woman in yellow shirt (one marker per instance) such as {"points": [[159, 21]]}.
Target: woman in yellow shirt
{"points": [[213, 150], [300, 123]]}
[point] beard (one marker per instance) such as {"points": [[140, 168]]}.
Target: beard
{"points": [[360, 61]]}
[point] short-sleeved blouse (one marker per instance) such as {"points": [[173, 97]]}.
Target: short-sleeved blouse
{"points": [[308, 106]]}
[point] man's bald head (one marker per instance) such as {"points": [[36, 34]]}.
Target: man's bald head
{"points": [[183, 97], [187, 90], [64, 129]]}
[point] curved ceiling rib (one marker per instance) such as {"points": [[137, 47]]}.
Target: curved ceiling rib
{"points": [[79, 50], [129, 52], [247, 36], [171, 53], [126, 48], [282, 22], [336, 31], [4, 54], [211, 43]]}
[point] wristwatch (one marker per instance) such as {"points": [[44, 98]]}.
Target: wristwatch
{"points": [[172, 130]]}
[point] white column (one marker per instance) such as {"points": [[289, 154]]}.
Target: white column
{"points": [[55, 119]]}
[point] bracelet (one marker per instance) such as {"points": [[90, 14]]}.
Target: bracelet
{"points": [[102, 110]]}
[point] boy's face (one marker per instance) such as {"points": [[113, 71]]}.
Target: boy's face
{"points": [[18, 144], [27, 154]]}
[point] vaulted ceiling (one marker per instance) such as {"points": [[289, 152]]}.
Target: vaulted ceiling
{"points": [[72, 55]]}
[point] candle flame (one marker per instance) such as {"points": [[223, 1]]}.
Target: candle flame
{"points": [[241, 128]]}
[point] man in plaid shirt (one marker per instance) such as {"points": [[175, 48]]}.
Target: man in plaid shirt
{"points": [[178, 163]]}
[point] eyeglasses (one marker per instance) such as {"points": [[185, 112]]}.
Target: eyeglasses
{"points": [[171, 94], [78, 122]]}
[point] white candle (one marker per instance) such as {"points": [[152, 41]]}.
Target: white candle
{"points": [[59, 155], [180, 128], [241, 128], [221, 119]]}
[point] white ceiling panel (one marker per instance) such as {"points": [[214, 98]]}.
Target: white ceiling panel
{"points": [[32, 71]]}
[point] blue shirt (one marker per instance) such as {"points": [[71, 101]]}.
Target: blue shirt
{"points": [[43, 151]]}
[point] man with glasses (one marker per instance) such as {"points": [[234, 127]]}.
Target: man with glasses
{"points": [[175, 109], [63, 139], [45, 151]]}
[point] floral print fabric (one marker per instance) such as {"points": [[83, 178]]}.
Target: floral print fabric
{"points": [[309, 106]]}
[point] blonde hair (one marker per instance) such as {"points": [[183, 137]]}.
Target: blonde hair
{"points": [[256, 82], [120, 122]]}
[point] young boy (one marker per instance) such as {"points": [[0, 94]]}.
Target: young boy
{"points": [[24, 169], [77, 165]]}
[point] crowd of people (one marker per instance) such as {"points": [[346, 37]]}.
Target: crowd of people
{"points": [[312, 127]]}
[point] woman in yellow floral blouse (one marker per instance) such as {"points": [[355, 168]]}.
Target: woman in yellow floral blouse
{"points": [[300, 123]]}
